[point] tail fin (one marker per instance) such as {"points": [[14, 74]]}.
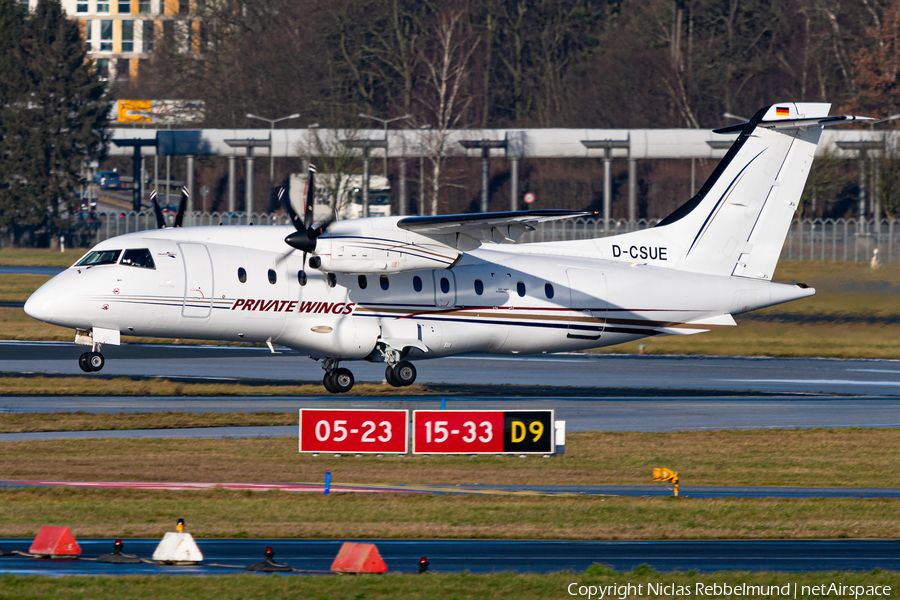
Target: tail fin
{"points": [[737, 222]]}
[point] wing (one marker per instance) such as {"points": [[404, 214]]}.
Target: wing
{"points": [[488, 227]]}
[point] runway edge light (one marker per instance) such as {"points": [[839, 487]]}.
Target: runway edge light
{"points": [[55, 542], [178, 548]]}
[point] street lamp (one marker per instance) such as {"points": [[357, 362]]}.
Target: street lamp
{"points": [[385, 123], [271, 123]]}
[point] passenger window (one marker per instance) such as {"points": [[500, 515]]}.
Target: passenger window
{"points": [[99, 257], [385, 284], [242, 275], [520, 289], [363, 282], [417, 283], [445, 285], [301, 277], [479, 287], [273, 277], [548, 290], [331, 279], [140, 257]]}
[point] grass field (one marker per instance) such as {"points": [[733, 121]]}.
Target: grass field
{"points": [[125, 386], [854, 304], [434, 586], [803, 457], [229, 514]]}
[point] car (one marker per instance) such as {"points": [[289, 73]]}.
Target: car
{"points": [[108, 180]]}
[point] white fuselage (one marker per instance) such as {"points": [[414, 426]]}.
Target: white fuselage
{"points": [[499, 298]]}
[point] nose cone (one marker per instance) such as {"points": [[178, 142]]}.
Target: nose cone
{"points": [[41, 304]]}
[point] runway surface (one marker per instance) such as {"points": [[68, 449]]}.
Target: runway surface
{"points": [[483, 556], [639, 413], [687, 491], [732, 374]]}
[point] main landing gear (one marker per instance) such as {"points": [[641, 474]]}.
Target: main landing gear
{"points": [[340, 380], [336, 381], [91, 361], [401, 374]]}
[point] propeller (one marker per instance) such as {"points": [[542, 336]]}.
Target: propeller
{"points": [[304, 239], [160, 220], [179, 218]]}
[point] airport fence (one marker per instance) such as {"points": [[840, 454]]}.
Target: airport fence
{"points": [[852, 240]]}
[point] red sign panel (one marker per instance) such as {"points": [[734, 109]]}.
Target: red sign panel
{"points": [[482, 431], [357, 431]]}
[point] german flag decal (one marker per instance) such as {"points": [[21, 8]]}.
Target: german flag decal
{"points": [[782, 111]]}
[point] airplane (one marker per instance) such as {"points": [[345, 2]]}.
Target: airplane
{"points": [[401, 289]]}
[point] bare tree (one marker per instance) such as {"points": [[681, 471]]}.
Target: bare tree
{"points": [[446, 62]]}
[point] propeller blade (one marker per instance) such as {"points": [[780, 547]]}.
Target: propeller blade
{"points": [[160, 220], [179, 218], [286, 204], [316, 232], [310, 197]]}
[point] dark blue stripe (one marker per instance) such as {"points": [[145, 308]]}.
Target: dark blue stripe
{"points": [[725, 193]]}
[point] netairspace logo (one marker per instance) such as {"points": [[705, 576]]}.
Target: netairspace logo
{"points": [[720, 590]]}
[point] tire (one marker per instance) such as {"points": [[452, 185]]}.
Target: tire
{"points": [[389, 377], [328, 383], [342, 380], [83, 362], [404, 373], [95, 361]]}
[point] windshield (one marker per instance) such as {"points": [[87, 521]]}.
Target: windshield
{"points": [[138, 258], [99, 257]]}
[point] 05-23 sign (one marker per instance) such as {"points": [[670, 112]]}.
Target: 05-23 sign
{"points": [[352, 430], [483, 431]]}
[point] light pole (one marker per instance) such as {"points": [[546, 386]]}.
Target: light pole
{"points": [[384, 122], [271, 123]]}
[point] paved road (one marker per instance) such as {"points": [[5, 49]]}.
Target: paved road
{"points": [[482, 556], [791, 375], [657, 490], [639, 413]]}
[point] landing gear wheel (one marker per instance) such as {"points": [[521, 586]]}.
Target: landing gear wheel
{"points": [[329, 383], [95, 361], [404, 373], [342, 380], [389, 377], [83, 362]]}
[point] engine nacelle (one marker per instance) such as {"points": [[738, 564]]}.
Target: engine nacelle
{"points": [[374, 246]]}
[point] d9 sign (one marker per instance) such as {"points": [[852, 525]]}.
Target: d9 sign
{"points": [[359, 431], [482, 431]]}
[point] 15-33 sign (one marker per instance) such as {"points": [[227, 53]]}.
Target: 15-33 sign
{"points": [[483, 431]]}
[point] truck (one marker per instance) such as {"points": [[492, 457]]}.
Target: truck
{"points": [[347, 188]]}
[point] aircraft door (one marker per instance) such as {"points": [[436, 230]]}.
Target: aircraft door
{"points": [[444, 288], [587, 299], [198, 281]]}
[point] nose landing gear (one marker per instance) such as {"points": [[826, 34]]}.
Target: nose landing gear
{"points": [[337, 381]]}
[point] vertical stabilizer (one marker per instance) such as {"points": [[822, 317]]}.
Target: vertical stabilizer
{"points": [[737, 223]]}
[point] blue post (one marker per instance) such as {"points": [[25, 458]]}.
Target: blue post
{"points": [[327, 482], [443, 403]]}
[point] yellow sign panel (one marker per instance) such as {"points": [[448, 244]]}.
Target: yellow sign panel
{"points": [[134, 111], [664, 475]]}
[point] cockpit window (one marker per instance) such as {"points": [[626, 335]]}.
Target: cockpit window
{"points": [[139, 257], [99, 257]]}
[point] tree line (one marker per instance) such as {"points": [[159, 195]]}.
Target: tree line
{"points": [[53, 114]]}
